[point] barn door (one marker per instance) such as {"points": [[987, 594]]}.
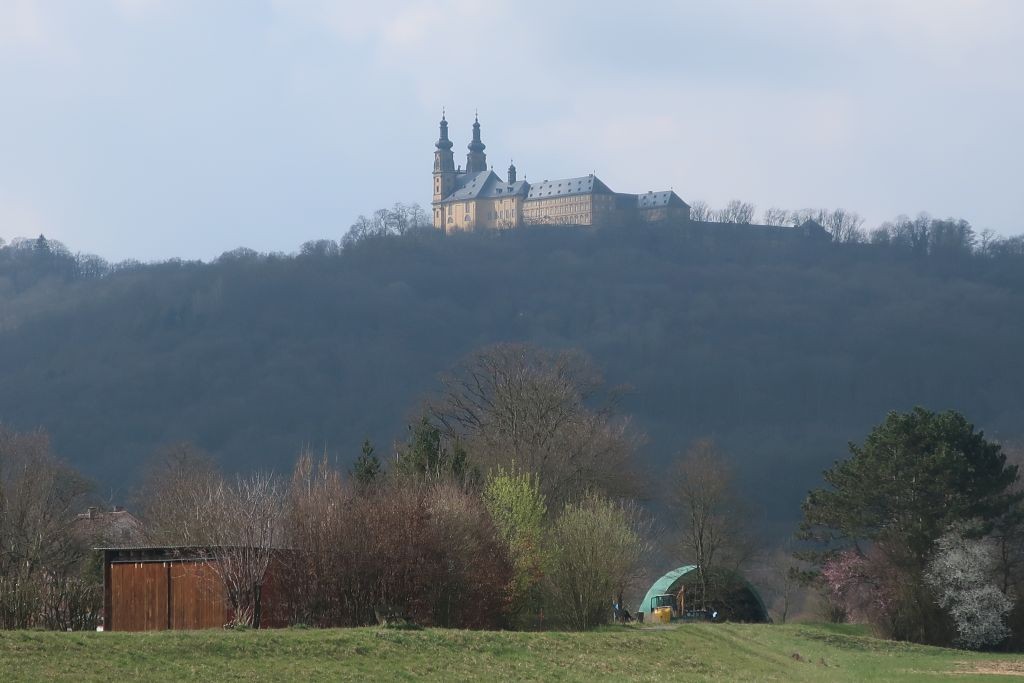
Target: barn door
{"points": [[197, 596], [138, 596]]}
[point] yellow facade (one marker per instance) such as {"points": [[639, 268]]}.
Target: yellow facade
{"points": [[478, 199], [512, 212], [489, 213], [499, 214], [569, 210]]}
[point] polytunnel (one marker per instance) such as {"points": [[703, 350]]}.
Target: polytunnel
{"points": [[731, 596]]}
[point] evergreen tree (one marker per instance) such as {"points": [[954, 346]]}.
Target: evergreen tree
{"points": [[367, 470], [917, 475], [428, 455]]}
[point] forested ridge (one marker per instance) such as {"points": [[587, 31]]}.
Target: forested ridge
{"points": [[782, 349]]}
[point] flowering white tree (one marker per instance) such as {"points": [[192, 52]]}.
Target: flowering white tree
{"points": [[960, 572]]}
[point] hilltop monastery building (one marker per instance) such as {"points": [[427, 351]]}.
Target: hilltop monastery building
{"points": [[477, 197]]}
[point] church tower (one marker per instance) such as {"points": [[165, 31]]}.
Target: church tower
{"points": [[476, 160], [444, 171]]}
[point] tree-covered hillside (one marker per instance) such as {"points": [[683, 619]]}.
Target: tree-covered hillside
{"points": [[782, 349]]}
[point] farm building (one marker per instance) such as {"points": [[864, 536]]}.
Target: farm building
{"points": [[730, 597], [161, 588]]}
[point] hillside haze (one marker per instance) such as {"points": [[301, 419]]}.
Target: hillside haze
{"points": [[782, 349]]}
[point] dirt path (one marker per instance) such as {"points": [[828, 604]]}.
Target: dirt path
{"points": [[994, 667]]}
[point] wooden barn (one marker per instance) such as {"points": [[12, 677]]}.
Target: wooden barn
{"points": [[156, 589]]}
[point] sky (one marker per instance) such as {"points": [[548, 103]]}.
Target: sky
{"points": [[151, 129]]}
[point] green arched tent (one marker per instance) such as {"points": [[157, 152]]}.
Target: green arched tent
{"points": [[750, 606]]}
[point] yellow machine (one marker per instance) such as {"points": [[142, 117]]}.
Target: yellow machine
{"points": [[662, 608]]}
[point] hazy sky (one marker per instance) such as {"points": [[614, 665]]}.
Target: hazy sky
{"points": [[156, 128]]}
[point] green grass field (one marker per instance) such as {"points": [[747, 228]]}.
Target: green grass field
{"points": [[692, 652]]}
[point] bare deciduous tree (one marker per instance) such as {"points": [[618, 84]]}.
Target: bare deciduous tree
{"points": [[705, 501], [844, 226], [546, 413], [905, 232], [951, 237], [315, 523], [735, 212], [41, 561], [398, 220], [776, 216], [185, 501], [987, 239], [780, 577], [243, 522], [178, 481], [700, 211]]}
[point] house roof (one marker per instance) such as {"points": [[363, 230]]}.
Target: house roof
{"points": [[650, 200], [115, 527], [485, 184], [568, 186], [812, 226]]}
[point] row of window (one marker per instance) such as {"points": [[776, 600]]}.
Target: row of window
{"points": [[555, 210], [574, 219], [560, 200]]}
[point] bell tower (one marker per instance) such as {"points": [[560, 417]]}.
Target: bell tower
{"points": [[444, 171], [476, 160]]}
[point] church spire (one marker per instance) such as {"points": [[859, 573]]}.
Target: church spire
{"points": [[444, 169], [443, 143], [476, 160]]}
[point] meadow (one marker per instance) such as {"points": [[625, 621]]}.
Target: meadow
{"points": [[692, 652]]}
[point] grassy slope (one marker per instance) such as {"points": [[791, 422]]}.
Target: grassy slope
{"points": [[692, 652]]}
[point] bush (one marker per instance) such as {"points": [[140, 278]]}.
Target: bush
{"points": [[594, 550], [517, 509], [422, 551]]}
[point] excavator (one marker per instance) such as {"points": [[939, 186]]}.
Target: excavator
{"points": [[669, 607], [663, 608]]}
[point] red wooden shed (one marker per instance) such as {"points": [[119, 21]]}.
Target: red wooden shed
{"points": [[160, 588]]}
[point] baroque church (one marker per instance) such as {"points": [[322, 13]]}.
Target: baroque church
{"points": [[477, 198]]}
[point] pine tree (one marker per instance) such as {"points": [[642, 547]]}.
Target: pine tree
{"points": [[429, 456], [368, 469]]}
